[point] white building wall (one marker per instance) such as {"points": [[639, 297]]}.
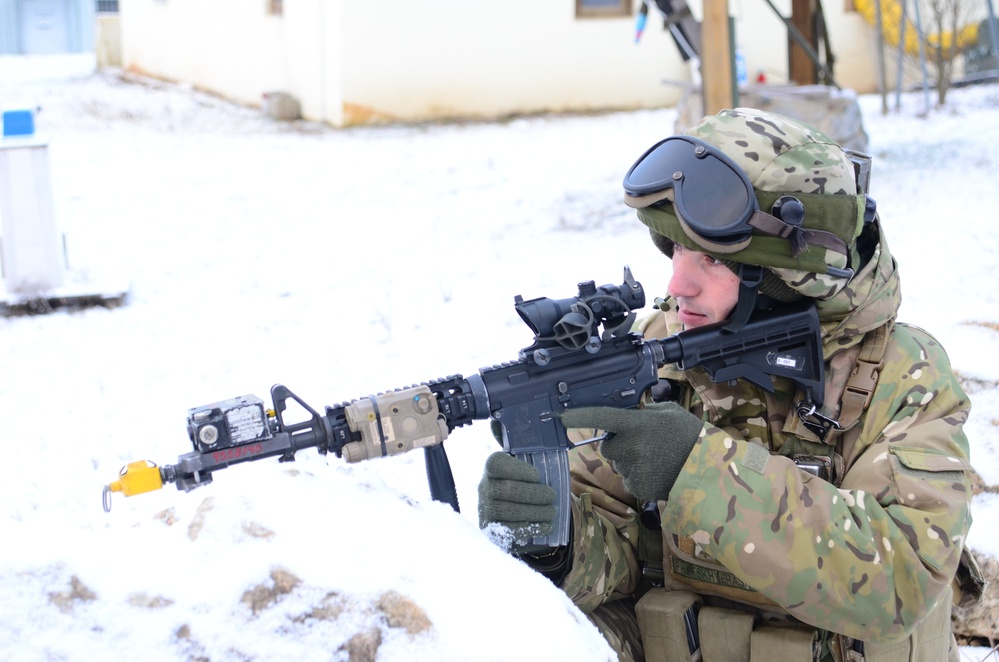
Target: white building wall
{"points": [[401, 60], [479, 58], [228, 46]]}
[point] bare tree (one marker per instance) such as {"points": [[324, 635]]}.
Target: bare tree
{"points": [[952, 29], [931, 37]]}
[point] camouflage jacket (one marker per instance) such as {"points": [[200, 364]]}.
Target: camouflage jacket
{"points": [[867, 558]]}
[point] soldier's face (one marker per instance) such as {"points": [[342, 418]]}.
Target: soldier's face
{"points": [[704, 288]]}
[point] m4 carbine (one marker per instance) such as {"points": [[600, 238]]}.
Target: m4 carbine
{"points": [[570, 364]]}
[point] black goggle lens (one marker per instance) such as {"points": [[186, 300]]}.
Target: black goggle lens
{"points": [[711, 193]]}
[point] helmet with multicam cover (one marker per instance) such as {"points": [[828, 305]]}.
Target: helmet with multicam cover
{"points": [[756, 188]]}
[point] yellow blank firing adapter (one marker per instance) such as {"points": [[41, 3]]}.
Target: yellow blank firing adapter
{"points": [[136, 478]]}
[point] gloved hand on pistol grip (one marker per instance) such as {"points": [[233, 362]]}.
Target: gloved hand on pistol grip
{"points": [[648, 447], [511, 494]]}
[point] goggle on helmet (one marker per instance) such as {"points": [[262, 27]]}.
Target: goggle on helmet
{"points": [[797, 210]]}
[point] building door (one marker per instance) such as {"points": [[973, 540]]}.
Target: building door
{"points": [[44, 27]]}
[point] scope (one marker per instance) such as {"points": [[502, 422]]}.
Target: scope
{"points": [[573, 323]]}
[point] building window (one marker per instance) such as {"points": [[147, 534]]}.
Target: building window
{"points": [[602, 8], [275, 7], [107, 6]]}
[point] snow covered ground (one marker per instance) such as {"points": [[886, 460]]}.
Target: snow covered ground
{"points": [[344, 263]]}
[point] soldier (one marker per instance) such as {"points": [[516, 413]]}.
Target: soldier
{"points": [[733, 523]]}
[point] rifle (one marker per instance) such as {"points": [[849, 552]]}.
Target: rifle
{"points": [[570, 364]]}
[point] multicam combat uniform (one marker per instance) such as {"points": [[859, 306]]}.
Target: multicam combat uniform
{"points": [[867, 554]]}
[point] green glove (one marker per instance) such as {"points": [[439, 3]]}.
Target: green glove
{"points": [[511, 494], [648, 447]]}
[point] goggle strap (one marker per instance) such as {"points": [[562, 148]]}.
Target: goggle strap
{"points": [[798, 236]]}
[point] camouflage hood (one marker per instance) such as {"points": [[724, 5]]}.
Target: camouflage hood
{"points": [[869, 300]]}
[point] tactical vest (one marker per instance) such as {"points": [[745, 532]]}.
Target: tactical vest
{"points": [[695, 609]]}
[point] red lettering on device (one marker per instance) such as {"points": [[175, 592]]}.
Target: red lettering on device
{"points": [[230, 454]]}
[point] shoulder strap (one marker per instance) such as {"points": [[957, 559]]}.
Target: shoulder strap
{"points": [[860, 387], [864, 379]]}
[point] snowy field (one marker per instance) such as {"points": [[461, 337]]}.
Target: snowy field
{"points": [[344, 263]]}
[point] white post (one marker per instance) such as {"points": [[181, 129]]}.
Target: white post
{"points": [[33, 255]]}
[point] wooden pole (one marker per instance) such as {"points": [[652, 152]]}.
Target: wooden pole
{"points": [[716, 57], [879, 30], [800, 66]]}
